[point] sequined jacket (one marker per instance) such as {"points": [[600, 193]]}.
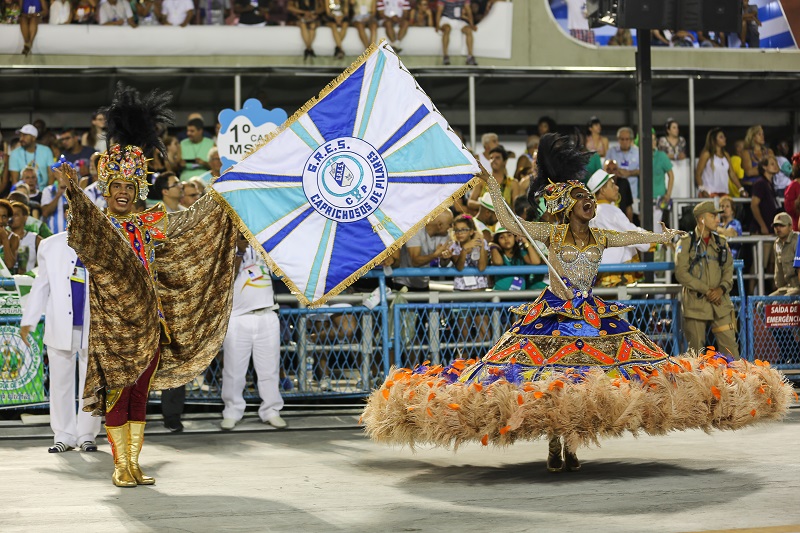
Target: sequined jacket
{"points": [[166, 280]]}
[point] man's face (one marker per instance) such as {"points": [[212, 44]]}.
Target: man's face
{"points": [[215, 163], [195, 134], [121, 197], [497, 161], [625, 139], [490, 144], [609, 191], [18, 222], [31, 180], [68, 141], [710, 220], [173, 189], [190, 194], [781, 230], [27, 140]]}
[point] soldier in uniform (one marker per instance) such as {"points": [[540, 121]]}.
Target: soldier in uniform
{"points": [[704, 267], [787, 282]]}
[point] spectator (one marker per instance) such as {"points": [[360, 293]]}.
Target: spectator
{"points": [[755, 149], [176, 12], [337, 16], [683, 39], [32, 224], [74, 152], [30, 154], [497, 166], [625, 202], [9, 241], [729, 225], [197, 181], [672, 143], [190, 193], [749, 35], [663, 182], [253, 331], [215, 167], [84, 13], [194, 148], [54, 206], [531, 147], [577, 22], [307, 13], [545, 125], [11, 11], [167, 188], [147, 14], [428, 247], [704, 266], [116, 13], [421, 15], [33, 11], [28, 240], [488, 141], [786, 280], [595, 141], [523, 177], [278, 14], [659, 38], [60, 292], [622, 37], [791, 197], [30, 180], [89, 184], [782, 155], [486, 218], [764, 205], [712, 39], [364, 18], [609, 216], [469, 250], [173, 162], [251, 12], [455, 15], [60, 12], [509, 250], [481, 8], [4, 183], [714, 167], [395, 13], [626, 158], [96, 136], [736, 161]]}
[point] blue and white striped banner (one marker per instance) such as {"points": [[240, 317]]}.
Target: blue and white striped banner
{"points": [[348, 178]]}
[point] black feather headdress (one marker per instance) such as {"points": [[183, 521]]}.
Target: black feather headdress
{"points": [[134, 121], [558, 160]]}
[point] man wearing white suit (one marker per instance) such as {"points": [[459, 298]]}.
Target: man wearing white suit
{"points": [[254, 329], [60, 292], [609, 216]]}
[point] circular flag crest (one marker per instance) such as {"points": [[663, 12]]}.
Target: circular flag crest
{"points": [[345, 179]]}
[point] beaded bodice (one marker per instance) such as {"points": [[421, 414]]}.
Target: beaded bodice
{"points": [[580, 266]]}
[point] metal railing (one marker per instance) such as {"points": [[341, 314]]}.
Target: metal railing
{"points": [[346, 348]]}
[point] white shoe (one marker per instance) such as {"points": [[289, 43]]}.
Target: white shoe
{"points": [[276, 421], [325, 384], [198, 383], [228, 424]]}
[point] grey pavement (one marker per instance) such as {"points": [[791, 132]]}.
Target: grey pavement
{"points": [[324, 475]]}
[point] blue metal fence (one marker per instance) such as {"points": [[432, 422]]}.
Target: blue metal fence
{"points": [[346, 349]]}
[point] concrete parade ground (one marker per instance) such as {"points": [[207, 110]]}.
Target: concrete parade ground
{"points": [[323, 475]]}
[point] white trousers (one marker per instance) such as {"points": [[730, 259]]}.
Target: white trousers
{"points": [[257, 335], [69, 426]]}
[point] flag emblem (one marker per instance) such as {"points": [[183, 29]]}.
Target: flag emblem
{"points": [[348, 179]]}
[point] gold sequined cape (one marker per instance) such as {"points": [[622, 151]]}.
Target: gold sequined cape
{"points": [[194, 283]]}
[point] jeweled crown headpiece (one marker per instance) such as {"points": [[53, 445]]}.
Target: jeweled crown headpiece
{"points": [[558, 196], [127, 164], [132, 123]]}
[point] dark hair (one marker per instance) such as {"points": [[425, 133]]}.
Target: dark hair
{"points": [[160, 185], [466, 219], [5, 203], [670, 121], [592, 121], [558, 160], [551, 124], [762, 165], [499, 149], [133, 120], [24, 207], [196, 123]]}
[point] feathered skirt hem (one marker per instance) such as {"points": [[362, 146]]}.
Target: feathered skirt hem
{"points": [[430, 407]]}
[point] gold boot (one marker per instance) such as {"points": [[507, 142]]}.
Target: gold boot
{"points": [[571, 462], [118, 439], [554, 461], [136, 436]]}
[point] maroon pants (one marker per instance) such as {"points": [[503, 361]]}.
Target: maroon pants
{"points": [[132, 403]]}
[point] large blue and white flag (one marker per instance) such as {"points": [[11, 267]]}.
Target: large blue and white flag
{"points": [[349, 178]]}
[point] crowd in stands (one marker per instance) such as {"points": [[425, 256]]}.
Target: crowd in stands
{"points": [[365, 16], [747, 37]]}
